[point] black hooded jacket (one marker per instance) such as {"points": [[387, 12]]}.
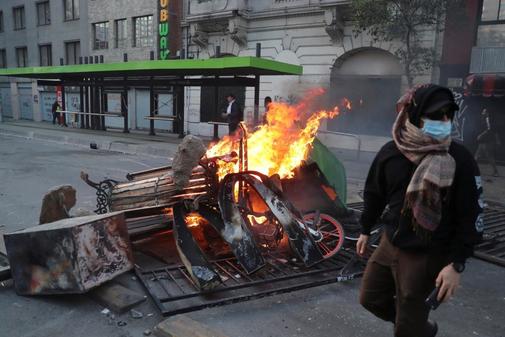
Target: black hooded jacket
{"points": [[461, 224]]}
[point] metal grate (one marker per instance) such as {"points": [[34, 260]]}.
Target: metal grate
{"points": [[174, 292], [492, 249]]}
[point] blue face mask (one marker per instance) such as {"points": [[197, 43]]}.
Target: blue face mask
{"points": [[437, 129]]}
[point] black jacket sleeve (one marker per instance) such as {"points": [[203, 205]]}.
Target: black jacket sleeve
{"points": [[467, 214], [374, 196]]}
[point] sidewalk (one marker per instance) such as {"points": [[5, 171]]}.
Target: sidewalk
{"points": [[135, 142]]}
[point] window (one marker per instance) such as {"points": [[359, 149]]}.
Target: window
{"points": [[3, 59], [46, 55], [143, 31], [19, 17], [493, 10], [43, 14], [1, 21], [72, 52], [100, 35], [121, 33], [71, 9], [22, 56]]}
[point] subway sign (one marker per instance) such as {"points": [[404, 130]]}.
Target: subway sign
{"points": [[163, 29]]}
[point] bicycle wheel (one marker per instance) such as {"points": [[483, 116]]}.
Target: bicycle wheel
{"points": [[332, 231]]}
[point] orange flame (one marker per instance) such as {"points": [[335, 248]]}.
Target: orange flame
{"points": [[347, 103], [194, 220], [282, 143]]}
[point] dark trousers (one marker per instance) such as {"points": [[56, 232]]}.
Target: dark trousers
{"points": [[232, 127], [395, 285], [55, 117]]}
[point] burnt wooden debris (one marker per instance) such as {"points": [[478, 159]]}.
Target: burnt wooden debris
{"points": [[70, 255]]}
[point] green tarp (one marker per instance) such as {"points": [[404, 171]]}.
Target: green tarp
{"points": [[331, 167]]}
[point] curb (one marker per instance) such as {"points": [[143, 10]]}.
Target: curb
{"points": [[168, 149]]}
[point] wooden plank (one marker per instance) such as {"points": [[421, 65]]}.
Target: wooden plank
{"points": [[116, 297]]}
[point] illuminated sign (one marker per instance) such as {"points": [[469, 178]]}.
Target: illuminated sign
{"points": [[163, 29]]}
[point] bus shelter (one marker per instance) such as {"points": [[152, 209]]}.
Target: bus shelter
{"points": [[95, 80]]}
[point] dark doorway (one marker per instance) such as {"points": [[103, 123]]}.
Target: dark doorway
{"points": [[373, 100]]}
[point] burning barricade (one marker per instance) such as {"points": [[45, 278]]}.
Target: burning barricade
{"points": [[253, 191]]}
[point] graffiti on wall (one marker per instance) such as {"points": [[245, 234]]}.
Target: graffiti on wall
{"points": [[458, 124]]}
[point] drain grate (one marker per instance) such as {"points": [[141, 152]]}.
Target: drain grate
{"points": [[174, 292], [492, 249]]}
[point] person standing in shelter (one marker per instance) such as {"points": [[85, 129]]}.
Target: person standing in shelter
{"points": [[55, 111], [426, 192], [234, 114], [487, 141]]}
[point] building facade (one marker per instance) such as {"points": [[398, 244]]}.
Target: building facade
{"points": [[38, 33], [473, 65], [54, 32], [315, 34]]}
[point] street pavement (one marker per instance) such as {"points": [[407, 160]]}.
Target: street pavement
{"points": [[34, 159]]}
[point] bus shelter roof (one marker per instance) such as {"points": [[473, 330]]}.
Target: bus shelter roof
{"points": [[224, 66]]}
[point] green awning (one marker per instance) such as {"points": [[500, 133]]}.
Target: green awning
{"points": [[225, 66]]}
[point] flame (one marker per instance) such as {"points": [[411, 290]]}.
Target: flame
{"points": [[281, 144], [194, 220], [347, 103]]}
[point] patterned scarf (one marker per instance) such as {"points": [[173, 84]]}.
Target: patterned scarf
{"points": [[434, 172]]}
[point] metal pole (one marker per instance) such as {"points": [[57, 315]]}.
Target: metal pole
{"points": [[81, 104], [124, 107], [63, 105], [180, 109], [151, 110], [256, 98]]}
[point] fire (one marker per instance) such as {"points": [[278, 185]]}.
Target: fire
{"points": [[194, 220], [347, 103], [282, 143]]}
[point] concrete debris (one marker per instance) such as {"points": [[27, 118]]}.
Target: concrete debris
{"points": [[136, 314], [147, 332], [105, 311], [121, 323], [183, 326], [189, 152], [57, 203], [116, 297]]}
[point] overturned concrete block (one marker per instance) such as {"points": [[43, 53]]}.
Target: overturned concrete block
{"points": [[69, 256], [189, 152]]}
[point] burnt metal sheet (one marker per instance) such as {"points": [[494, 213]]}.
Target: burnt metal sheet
{"points": [[246, 251], [201, 272], [174, 294], [289, 217], [235, 230]]}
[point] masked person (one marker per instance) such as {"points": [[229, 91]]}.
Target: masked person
{"points": [[425, 191]]}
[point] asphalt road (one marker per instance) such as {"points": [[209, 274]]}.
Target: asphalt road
{"points": [[29, 168]]}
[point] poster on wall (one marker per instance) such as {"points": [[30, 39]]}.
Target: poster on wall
{"points": [[47, 99]]}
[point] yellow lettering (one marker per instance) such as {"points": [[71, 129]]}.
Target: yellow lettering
{"points": [[163, 15], [163, 3]]}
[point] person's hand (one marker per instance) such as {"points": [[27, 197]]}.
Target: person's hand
{"points": [[362, 244], [224, 115], [447, 281]]}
